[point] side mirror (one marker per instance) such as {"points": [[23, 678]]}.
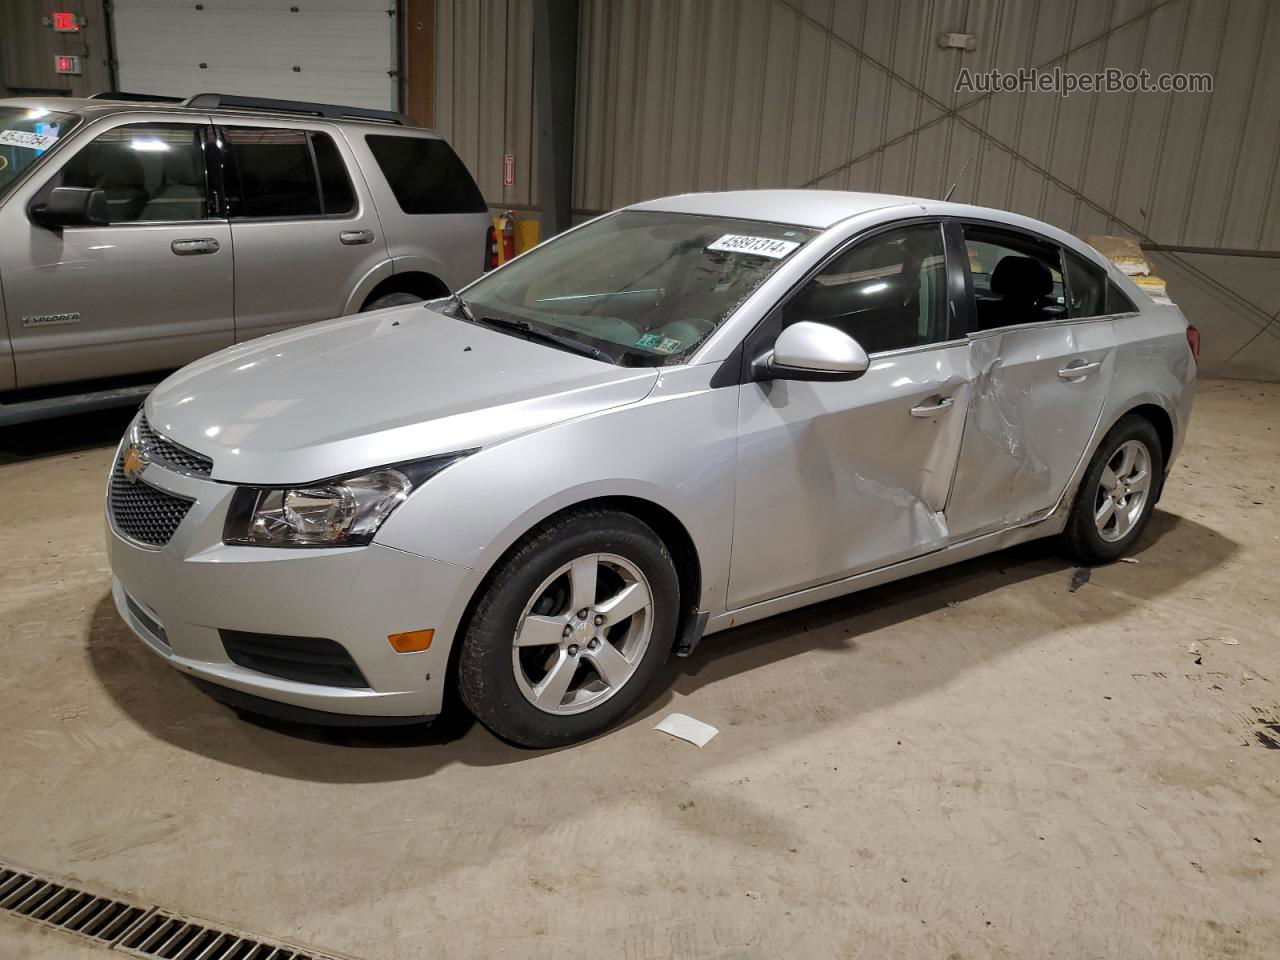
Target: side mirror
{"points": [[73, 207], [812, 351]]}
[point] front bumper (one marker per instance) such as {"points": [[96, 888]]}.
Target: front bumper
{"points": [[178, 597]]}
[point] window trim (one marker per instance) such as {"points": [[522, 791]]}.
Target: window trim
{"points": [[213, 199], [225, 150]]}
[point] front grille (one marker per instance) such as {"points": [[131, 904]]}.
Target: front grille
{"points": [[304, 659], [164, 450], [141, 512]]}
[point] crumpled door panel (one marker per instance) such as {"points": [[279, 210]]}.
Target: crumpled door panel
{"points": [[1027, 426], [837, 478]]}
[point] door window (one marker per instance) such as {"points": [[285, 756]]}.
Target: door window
{"points": [[1086, 287], [149, 171], [273, 173], [1016, 278], [887, 292]]}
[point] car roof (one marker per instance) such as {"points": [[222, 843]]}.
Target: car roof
{"points": [[806, 208], [823, 209], [95, 109]]}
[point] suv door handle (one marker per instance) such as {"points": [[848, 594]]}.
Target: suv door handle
{"points": [[1078, 371], [187, 248], [942, 405], [352, 237]]}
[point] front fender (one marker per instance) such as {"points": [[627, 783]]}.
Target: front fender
{"points": [[676, 449]]}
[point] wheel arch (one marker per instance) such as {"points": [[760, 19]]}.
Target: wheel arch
{"points": [[1163, 423], [417, 282], [669, 528]]}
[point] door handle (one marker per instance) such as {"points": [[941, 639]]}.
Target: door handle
{"points": [[187, 248], [352, 237], [1078, 371], [942, 405]]}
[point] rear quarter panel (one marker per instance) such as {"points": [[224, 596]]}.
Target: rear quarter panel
{"points": [[450, 246], [1153, 365]]}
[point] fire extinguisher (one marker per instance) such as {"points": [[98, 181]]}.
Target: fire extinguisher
{"points": [[507, 229]]}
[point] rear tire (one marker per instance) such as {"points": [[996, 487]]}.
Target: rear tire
{"points": [[399, 299], [533, 669], [1117, 494]]}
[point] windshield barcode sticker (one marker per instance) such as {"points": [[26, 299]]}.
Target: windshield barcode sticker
{"points": [[759, 246], [32, 141]]}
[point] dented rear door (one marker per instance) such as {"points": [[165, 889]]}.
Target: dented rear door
{"points": [[1036, 396]]}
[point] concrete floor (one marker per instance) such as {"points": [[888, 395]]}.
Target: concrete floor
{"points": [[973, 763]]}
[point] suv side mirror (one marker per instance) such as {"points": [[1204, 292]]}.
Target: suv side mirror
{"points": [[73, 207], [812, 351]]}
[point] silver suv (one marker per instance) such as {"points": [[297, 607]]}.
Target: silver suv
{"points": [[138, 236]]}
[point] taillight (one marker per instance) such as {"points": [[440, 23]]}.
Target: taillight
{"points": [[1193, 340], [490, 248]]}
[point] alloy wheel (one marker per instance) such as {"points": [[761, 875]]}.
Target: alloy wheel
{"points": [[583, 634], [1123, 489]]}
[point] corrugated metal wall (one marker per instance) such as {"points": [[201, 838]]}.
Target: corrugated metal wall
{"points": [[678, 95]]}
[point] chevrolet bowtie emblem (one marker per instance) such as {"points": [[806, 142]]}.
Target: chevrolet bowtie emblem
{"points": [[135, 461]]}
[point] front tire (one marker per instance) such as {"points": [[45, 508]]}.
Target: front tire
{"points": [[1117, 494], [571, 629]]}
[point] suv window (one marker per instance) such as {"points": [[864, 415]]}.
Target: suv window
{"points": [[887, 292], [149, 171], [1016, 278], [276, 172], [1086, 287], [425, 175]]}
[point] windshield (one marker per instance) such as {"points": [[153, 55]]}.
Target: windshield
{"points": [[26, 135], [642, 288]]}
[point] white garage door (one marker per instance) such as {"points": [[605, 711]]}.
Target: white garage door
{"points": [[330, 51]]}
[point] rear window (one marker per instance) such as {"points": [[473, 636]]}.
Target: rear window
{"points": [[425, 175]]}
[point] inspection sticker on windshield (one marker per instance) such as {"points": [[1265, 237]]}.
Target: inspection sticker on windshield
{"points": [[759, 246], [32, 141]]}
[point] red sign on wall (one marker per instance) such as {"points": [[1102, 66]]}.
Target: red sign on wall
{"points": [[64, 22], [66, 64], [508, 169]]}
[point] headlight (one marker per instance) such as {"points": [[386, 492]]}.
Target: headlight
{"points": [[344, 512]]}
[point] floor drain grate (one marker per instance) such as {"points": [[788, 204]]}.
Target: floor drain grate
{"points": [[127, 928], [67, 908], [170, 937]]}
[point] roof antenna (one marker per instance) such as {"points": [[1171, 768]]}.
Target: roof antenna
{"points": [[958, 178]]}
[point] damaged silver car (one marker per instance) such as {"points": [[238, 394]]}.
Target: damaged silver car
{"points": [[682, 416]]}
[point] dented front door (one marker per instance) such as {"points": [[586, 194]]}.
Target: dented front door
{"points": [[837, 478], [1037, 395]]}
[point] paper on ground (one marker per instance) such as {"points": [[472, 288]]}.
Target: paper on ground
{"points": [[687, 728]]}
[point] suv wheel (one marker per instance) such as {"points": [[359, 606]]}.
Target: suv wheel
{"points": [[1117, 494], [391, 300], [571, 630]]}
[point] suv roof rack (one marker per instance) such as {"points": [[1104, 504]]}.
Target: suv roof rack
{"points": [[133, 97], [210, 101]]}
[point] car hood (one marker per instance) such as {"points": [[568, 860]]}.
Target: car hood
{"points": [[374, 389]]}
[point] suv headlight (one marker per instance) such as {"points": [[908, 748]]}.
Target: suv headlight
{"points": [[343, 512]]}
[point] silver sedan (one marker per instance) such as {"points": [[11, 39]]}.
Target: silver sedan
{"points": [[682, 416]]}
